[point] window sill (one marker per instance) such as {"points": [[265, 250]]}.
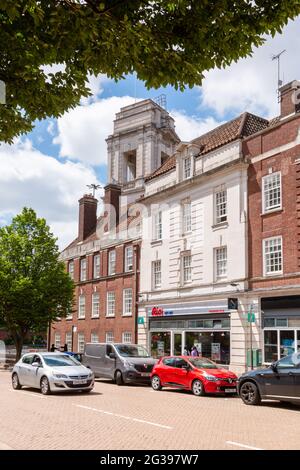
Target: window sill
{"points": [[275, 274], [156, 242], [95, 317], [272, 211], [110, 316], [127, 315], [220, 225], [81, 318]]}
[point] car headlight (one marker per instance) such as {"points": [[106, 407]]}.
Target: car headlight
{"points": [[129, 364], [60, 376], [91, 374], [211, 378]]}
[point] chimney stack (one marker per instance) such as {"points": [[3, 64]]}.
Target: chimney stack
{"points": [[112, 204], [87, 216], [289, 99]]}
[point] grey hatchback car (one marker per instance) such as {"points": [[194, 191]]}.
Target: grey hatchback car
{"points": [[51, 372]]}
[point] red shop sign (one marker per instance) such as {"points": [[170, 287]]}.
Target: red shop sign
{"points": [[157, 312]]}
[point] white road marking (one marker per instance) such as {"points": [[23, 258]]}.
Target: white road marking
{"points": [[28, 394], [245, 446], [129, 418]]}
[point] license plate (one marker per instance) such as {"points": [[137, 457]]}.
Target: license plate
{"points": [[79, 382], [230, 390], [145, 374]]}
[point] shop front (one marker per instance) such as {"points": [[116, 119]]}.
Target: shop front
{"points": [[281, 327], [175, 330]]}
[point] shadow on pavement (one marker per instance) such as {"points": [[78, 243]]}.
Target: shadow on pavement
{"points": [[281, 405]]}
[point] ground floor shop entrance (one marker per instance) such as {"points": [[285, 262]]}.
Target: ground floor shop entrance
{"points": [[177, 336], [281, 327]]}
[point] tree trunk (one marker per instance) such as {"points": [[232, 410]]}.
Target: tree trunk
{"points": [[18, 340]]}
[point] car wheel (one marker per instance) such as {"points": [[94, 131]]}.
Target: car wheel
{"points": [[119, 378], [198, 388], [15, 382], [249, 393], [155, 383], [45, 386]]}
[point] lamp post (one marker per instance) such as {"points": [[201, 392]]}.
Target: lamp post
{"points": [[74, 329]]}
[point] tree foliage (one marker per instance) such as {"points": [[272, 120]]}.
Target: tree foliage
{"points": [[35, 288], [164, 41]]}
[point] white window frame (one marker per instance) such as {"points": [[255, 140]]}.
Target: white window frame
{"points": [[264, 242], [274, 207], [129, 335], [127, 299], [93, 337], [186, 269], [111, 297], [83, 270], [68, 340], [81, 307], [220, 206], [57, 340], [157, 226], [81, 342], [186, 217], [187, 169], [95, 311], [109, 337], [71, 271], [220, 274], [96, 266], [155, 273], [112, 262], [128, 258]]}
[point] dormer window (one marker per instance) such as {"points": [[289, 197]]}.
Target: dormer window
{"points": [[187, 167]]}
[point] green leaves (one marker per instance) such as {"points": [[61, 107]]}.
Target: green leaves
{"points": [[34, 286], [164, 41]]}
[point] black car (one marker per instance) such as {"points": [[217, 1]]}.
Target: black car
{"points": [[280, 381]]}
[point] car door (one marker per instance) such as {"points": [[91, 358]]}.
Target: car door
{"points": [[109, 363], [279, 382], [297, 376], [25, 369], [36, 373], [180, 372], [167, 370]]}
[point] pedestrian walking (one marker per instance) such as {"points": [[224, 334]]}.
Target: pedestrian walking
{"points": [[52, 349], [194, 352]]}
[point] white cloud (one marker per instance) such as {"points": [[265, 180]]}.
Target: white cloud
{"points": [[82, 131], [52, 188], [251, 83], [190, 127]]}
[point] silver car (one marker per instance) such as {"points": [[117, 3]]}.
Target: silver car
{"points": [[52, 372]]}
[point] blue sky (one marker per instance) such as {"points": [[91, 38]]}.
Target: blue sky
{"points": [[49, 168]]}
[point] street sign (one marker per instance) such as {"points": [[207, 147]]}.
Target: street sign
{"points": [[251, 317], [141, 321]]}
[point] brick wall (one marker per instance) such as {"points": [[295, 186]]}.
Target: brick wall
{"points": [[117, 283], [284, 222]]}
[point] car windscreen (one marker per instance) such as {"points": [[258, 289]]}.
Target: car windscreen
{"points": [[61, 361], [131, 350], [202, 363]]}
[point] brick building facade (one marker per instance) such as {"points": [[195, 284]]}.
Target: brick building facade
{"points": [[274, 229]]}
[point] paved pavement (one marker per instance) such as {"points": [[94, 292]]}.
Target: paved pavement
{"points": [[135, 417]]}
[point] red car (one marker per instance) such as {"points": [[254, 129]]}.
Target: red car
{"points": [[198, 374]]}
